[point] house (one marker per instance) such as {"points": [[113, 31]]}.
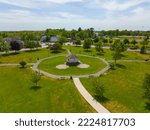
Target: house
{"points": [[54, 39], [72, 60]]}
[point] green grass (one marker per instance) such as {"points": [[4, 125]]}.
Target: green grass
{"points": [[17, 94], [127, 55], [28, 56], [123, 87], [50, 66]]}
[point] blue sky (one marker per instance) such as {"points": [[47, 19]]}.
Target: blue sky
{"points": [[69, 14]]}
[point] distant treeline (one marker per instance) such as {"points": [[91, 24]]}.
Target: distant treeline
{"points": [[72, 34]]}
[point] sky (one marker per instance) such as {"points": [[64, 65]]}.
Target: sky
{"points": [[72, 14]]}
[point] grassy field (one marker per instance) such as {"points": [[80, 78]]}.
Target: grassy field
{"points": [[28, 56], [127, 55], [50, 66], [17, 94], [123, 87]]}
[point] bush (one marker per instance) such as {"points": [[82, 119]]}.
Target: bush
{"points": [[23, 64]]}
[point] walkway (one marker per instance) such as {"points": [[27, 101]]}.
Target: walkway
{"points": [[35, 68], [96, 105], [10, 64]]}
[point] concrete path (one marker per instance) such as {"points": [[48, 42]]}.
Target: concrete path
{"points": [[96, 105], [35, 68], [128, 61], [15, 64]]}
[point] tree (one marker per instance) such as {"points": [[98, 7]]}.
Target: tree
{"points": [[96, 39], [62, 40], [134, 42], [104, 40], [35, 78], [146, 86], [16, 45], [23, 64], [4, 46], [110, 40], [143, 48], [77, 42], [98, 47], [99, 89], [126, 41], [32, 44], [87, 43], [118, 47], [55, 47]]}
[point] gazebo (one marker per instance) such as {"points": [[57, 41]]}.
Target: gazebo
{"points": [[72, 60]]}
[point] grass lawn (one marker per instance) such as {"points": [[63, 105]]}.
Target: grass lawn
{"points": [[127, 55], [50, 66], [18, 95], [123, 87], [28, 56]]}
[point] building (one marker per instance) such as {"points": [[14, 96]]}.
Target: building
{"points": [[54, 39]]}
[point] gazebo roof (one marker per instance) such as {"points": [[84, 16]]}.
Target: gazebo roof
{"points": [[72, 56]]}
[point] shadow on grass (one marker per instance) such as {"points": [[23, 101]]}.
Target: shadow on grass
{"points": [[147, 106], [87, 50], [22, 67], [121, 66], [10, 54], [100, 54], [35, 50], [35, 88], [122, 55], [102, 99]]}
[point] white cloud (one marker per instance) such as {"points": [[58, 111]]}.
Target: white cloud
{"points": [[67, 15], [35, 3], [114, 5]]}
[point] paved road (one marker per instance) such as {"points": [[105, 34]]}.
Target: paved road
{"points": [[96, 105]]}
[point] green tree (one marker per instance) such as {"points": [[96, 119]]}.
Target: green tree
{"points": [[4, 46], [96, 39], [23, 64], [87, 43], [134, 42], [98, 47], [62, 40], [55, 47], [77, 42], [144, 44], [126, 41], [118, 47], [99, 89], [146, 86], [35, 78], [32, 44]]}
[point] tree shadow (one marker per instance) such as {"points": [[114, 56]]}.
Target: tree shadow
{"points": [[122, 55], [10, 54], [87, 50], [147, 106], [34, 50], [121, 66], [35, 88], [100, 54], [102, 99]]}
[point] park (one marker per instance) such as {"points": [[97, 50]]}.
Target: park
{"points": [[71, 71]]}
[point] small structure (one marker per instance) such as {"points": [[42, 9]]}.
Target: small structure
{"points": [[72, 60], [54, 39]]}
